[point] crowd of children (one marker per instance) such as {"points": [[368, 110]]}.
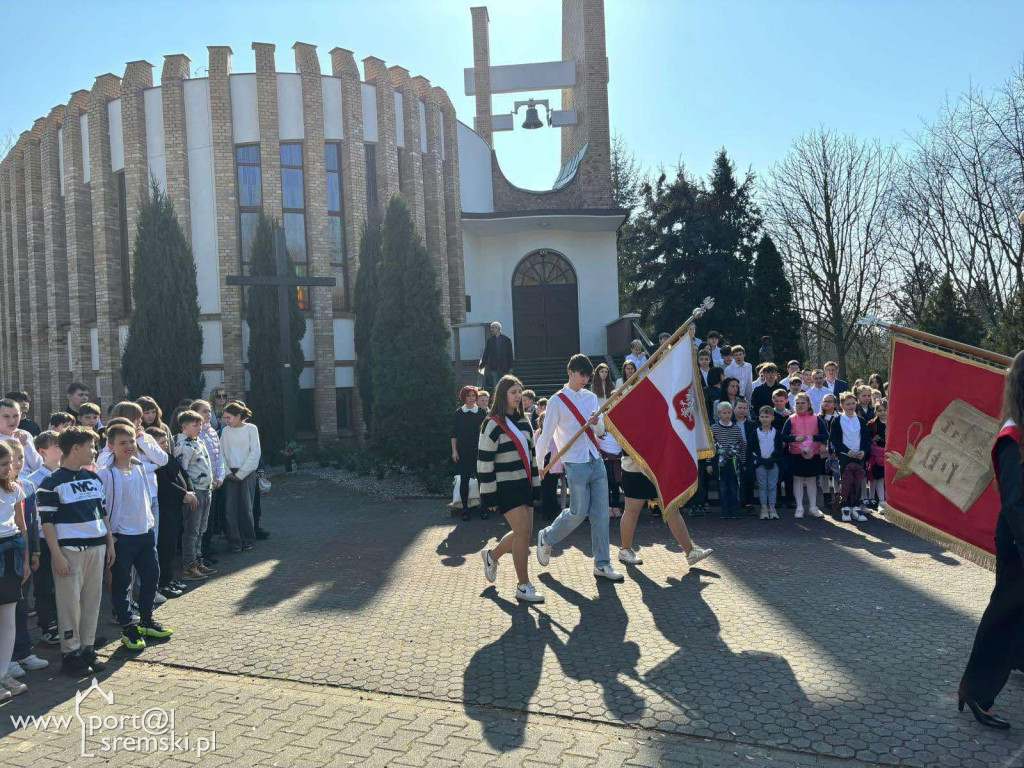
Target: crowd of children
{"points": [[85, 497]]}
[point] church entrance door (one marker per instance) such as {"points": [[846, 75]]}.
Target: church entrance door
{"points": [[545, 307]]}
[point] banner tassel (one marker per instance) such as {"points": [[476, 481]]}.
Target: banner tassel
{"points": [[935, 536]]}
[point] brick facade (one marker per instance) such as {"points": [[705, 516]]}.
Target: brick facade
{"points": [[138, 75], [56, 263], [452, 207], [270, 154], [482, 73], [37, 277], [19, 240], [172, 90], [9, 356], [375, 72]]}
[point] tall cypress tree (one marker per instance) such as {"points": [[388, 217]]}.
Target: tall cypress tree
{"points": [[262, 312], [163, 354], [364, 307], [412, 373], [947, 315], [773, 311]]}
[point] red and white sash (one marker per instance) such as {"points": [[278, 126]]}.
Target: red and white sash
{"points": [[519, 447], [579, 417], [1009, 430]]}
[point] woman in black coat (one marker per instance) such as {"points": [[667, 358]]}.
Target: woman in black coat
{"points": [[995, 644], [465, 439]]}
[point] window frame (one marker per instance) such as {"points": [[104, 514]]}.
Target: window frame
{"points": [[346, 304], [301, 268], [246, 209], [124, 251]]}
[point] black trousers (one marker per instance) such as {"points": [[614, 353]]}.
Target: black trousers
{"points": [[167, 542], [257, 508], [216, 521], [1002, 626], [42, 584], [549, 495]]}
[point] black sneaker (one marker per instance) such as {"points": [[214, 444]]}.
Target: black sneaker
{"points": [[154, 628], [89, 657], [261, 535], [131, 638], [170, 592], [181, 586], [51, 636], [74, 665]]}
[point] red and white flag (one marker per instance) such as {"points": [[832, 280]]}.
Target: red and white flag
{"points": [[661, 423]]}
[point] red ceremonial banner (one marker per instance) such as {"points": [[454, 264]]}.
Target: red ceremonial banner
{"points": [[943, 418]]}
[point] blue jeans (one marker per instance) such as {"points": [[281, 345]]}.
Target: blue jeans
{"points": [[588, 497], [728, 490], [767, 484], [138, 552]]}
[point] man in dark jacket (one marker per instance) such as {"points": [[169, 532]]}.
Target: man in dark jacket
{"points": [[497, 359], [763, 394]]}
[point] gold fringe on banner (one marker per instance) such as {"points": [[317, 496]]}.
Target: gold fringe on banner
{"points": [[941, 538]]}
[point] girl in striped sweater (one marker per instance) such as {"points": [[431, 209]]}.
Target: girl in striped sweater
{"points": [[509, 481]]}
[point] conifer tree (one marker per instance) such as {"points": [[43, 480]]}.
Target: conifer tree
{"points": [[364, 307], [947, 315], [266, 398], [773, 311], [412, 373], [162, 357]]}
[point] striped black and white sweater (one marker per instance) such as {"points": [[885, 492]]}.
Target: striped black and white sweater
{"points": [[498, 463]]}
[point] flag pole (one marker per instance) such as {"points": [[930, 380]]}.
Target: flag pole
{"points": [[705, 305], [939, 341]]}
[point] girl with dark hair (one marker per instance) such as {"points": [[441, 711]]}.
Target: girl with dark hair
{"points": [[240, 443], [611, 451], [628, 369], [465, 439], [1003, 621], [152, 416], [506, 450]]}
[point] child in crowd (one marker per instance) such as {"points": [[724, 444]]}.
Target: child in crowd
{"points": [[530, 402], [851, 442], [24, 405], [483, 400], [89, 416], [864, 407], [10, 417], [628, 370], [764, 453], [726, 358], [780, 403], [542, 405], [731, 459], [792, 369], [195, 460], [817, 390], [42, 577], [14, 557], [174, 489], [828, 413], [73, 515], [704, 366], [804, 433], [131, 521], [741, 371], [740, 414], [876, 465], [637, 356], [762, 395], [796, 386], [714, 337], [60, 421], [210, 438]]}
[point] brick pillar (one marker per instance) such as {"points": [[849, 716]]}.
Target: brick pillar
{"points": [[452, 206], [227, 216], [387, 146], [106, 242], [270, 137], [433, 191], [138, 75], [56, 258], [412, 154], [172, 88], [353, 182], [22, 300], [9, 352], [78, 231], [37, 276], [314, 175], [482, 73]]}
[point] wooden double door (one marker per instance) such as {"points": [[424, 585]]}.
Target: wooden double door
{"points": [[545, 307]]}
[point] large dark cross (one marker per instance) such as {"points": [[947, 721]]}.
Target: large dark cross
{"points": [[284, 283]]}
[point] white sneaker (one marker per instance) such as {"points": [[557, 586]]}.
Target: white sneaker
{"points": [[16, 688], [816, 513], [697, 554], [33, 662], [15, 670], [764, 513], [859, 516], [629, 557], [607, 572], [159, 599], [772, 514], [543, 549], [846, 514], [490, 566], [798, 514], [528, 594]]}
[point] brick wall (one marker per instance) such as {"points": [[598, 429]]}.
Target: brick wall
{"points": [[375, 72], [482, 73], [56, 263], [37, 277]]}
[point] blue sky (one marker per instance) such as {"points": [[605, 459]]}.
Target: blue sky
{"points": [[686, 77]]}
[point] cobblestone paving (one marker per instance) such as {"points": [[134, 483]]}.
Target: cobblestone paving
{"points": [[808, 640]]}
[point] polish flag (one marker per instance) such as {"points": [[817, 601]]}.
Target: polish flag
{"points": [[661, 423]]}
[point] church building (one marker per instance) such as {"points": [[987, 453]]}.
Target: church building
{"points": [[317, 151]]}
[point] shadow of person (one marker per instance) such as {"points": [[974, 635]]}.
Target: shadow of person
{"points": [[505, 674], [890, 540], [715, 688], [468, 538], [596, 649]]}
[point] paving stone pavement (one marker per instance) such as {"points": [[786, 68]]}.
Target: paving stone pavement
{"points": [[807, 640]]}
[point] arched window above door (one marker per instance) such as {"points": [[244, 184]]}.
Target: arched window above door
{"points": [[544, 268]]}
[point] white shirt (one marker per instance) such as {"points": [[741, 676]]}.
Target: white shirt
{"points": [[126, 496], [8, 501], [817, 394], [150, 454], [851, 431], [241, 449], [635, 360], [716, 356], [704, 374], [766, 442], [785, 383], [560, 425], [745, 374], [33, 460]]}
